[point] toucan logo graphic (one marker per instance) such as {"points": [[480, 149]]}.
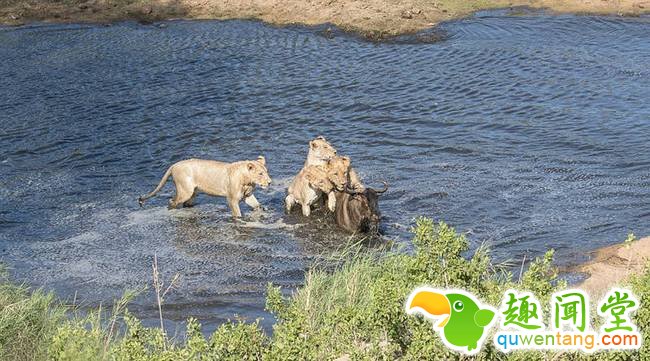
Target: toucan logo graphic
{"points": [[461, 320]]}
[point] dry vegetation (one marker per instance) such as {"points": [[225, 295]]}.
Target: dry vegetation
{"points": [[376, 18]]}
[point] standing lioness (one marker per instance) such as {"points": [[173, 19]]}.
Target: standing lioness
{"points": [[231, 180]]}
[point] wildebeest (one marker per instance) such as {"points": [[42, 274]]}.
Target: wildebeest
{"points": [[358, 211]]}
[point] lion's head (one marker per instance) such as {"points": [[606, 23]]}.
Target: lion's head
{"points": [[321, 149], [258, 172], [317, 177], [338, 169]]}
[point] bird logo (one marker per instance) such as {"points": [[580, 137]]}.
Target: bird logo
{"points": [[461, 318]]}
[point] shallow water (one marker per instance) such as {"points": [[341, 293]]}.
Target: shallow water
{"points": [[526, 132]]}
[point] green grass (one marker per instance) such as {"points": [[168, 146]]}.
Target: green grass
{"points": [[353, 310], [27, 322]]}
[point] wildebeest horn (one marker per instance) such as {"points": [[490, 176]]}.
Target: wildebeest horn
{"points": [[383, 190]]}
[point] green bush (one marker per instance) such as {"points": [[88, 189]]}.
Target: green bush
{"points": [[358, 310], [352, 308], [27, 321]]}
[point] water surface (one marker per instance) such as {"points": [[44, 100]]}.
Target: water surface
{"points": [[527, 132]]}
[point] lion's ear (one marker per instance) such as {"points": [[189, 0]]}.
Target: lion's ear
{"points": [[251, 166], [262, 160], [313, 145], [346, 160]]}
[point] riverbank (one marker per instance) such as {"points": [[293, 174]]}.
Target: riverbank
{"points": [[372, 18], [614, 264]]}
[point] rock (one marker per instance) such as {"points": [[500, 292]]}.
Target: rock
{"points": [[407, 14], [328, 33]]}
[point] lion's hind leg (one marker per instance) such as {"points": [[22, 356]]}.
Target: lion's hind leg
{"points": [[331, 201], [190, 202], [179, 198], [184, 193]]}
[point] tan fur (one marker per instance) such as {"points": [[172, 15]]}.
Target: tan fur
{"points": [[235, 181], [315, 180], [320, 151]]}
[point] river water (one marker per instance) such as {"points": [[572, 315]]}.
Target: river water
{"points": [[526, 132]]}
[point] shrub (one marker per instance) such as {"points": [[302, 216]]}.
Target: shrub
{"points": [[349, 309], [26, 321], [358, 310]]}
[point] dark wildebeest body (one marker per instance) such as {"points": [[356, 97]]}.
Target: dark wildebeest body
{"points": [[358, 211]]}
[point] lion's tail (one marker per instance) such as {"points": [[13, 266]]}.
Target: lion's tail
{"points": [[160, 185]]}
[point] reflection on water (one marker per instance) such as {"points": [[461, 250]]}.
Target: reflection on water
{"points": [[526, 132]]}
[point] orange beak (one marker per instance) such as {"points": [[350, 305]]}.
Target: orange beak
{"points": [[430, 304]]}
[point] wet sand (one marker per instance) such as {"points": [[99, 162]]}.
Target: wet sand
{"points": [[614, 264], [372, 18]]}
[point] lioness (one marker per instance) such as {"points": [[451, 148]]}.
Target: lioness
{"points": [[316, 180], [320, 151], [231, 180]]}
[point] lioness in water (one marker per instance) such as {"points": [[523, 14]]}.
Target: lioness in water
{"points": [[320, 151], [231, 180], [316, 180]]}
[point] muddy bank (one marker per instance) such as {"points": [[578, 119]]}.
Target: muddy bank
{"points": [[373, 18], [614, 264]]}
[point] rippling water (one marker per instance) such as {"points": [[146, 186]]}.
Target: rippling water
{"points": [[526, 132]]}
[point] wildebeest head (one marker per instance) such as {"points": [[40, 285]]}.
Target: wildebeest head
{"points": [[365, 206]]}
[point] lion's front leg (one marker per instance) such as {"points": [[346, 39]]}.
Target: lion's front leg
{"points": [[331, 201], [252, 201], [234, 207], [306, 210], [289, 201], [354, 181]]}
